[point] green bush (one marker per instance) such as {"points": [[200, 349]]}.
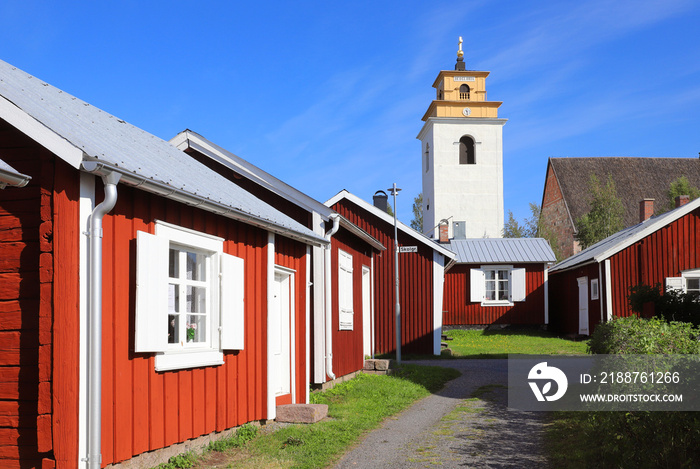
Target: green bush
{"points": [[672, 305], [642, 439], [633, 335]]}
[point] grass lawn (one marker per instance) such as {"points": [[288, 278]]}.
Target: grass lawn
{"points": [[354, 407], [499, 343]]}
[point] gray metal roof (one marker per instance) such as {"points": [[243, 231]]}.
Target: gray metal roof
{"points": [[624, 238], [127, 149], [499, 250]]}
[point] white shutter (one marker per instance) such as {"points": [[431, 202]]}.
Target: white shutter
{"points": [[517, 287], [675, 283], [232, 302], [345, 292], [151, 331], [477, 285]]}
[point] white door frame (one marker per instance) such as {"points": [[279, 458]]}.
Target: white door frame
{"points": [[367, 311], [583, 319]]}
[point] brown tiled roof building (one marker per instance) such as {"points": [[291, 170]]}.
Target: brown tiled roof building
{"points": [[566, 193]]}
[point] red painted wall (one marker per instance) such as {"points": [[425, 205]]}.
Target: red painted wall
{"points": [[664, 253], [27, 248], [416, 285], [459, 310], [348, 355]]}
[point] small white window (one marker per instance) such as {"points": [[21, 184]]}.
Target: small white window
{"points": [[189, 298], [594, 289], [346, 316], [497, 285], [688, 282]]}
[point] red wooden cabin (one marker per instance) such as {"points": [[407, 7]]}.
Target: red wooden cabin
{"points": [[593, 286], [203, 290], [497, 281], [335, 350], [421, 279]]}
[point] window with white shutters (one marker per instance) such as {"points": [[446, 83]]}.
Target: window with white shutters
{"points": [[497, 285], [189, 298]]}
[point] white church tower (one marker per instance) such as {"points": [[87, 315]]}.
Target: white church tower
{"points": [[462, 145]]}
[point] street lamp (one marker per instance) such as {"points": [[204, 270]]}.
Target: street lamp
{"points": [[394, 191]]}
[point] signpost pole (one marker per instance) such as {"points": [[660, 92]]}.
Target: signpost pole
{"points": [[394, 191]]}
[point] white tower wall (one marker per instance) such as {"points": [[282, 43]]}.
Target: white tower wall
{"points": [[472, 193]]}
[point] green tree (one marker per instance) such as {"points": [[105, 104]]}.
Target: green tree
{"points": [[417, 222], [532, 227], [512, 228], [681, 186], [605, 216]]}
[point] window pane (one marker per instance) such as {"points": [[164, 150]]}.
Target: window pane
{"points": [[196, 328], [173, 265], [173, 328], [490, 274], [173, 298], [195, 266], [503, 291], [693, 284], [196, 299], [503, 274]]}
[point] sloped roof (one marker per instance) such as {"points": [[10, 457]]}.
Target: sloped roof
{"points": [[188, 138], [420, 237], [624, 238], [83, 134], [635, 179], [497, 250], [9, 176]]}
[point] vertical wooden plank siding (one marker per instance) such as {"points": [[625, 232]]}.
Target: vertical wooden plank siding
{"points": [[563, 299], [348, 354], [415, 293], [664, 253], [459, 310], [146, 410]]}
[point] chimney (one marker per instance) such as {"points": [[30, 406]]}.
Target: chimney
{"points": [[682, 200], [444, 232], [646, 209], [380, 200]]}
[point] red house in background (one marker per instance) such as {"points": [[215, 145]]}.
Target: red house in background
{"points": [[593, 286], [421, 279], [337, 347], [497, 281], [178, 300]]}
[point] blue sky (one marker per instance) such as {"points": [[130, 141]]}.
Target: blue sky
{"points": [[330, 95]]}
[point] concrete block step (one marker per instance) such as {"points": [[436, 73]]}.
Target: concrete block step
{"points": [[301, 413]]}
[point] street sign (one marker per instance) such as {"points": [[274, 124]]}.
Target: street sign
{"points": [[408, 248]]}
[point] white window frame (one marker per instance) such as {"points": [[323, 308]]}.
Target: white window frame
{"points": [[517, 291], [224, 303], [346, 313], [681, 283], [595, 289]]}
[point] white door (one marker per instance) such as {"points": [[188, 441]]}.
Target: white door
{"points": [[583, 305], [280, 334], [366, 312]]}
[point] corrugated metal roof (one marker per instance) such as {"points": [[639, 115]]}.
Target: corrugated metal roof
{"points": [[624, 238], [498, 250], [105, 138]]}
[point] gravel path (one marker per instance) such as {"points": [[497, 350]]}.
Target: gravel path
{"points": [[467, 424]]}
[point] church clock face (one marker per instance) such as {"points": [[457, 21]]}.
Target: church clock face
{"points": [[467, 112]]}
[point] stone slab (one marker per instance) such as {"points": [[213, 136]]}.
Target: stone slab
{"points": [[301, 413]]}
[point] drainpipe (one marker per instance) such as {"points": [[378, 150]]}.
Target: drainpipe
{"points": [[94, 398], [329, 306]]}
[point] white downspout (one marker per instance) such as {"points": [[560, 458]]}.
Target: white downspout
{"points": [[94, 410], [329, 306]]}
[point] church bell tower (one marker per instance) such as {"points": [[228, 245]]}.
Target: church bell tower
{"points": [[462, 163]]}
